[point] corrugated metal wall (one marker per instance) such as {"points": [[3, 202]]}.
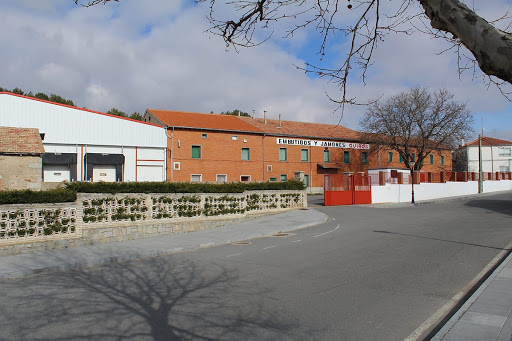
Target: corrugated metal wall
{"points": [[66, 125]]}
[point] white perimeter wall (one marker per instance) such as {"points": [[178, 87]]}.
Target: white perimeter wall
{"points": [[392, 193]]}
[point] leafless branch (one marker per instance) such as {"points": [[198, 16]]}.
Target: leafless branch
{"points": [[93, 2]]}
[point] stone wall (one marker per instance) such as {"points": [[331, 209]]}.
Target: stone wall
{"points": [[104, 218], [21, 172]]}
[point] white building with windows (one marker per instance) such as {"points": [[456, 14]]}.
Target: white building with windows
{"points": [[84, 145], [496, 156]]}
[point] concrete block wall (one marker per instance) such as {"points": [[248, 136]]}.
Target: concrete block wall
{"points": [[112, 228]]}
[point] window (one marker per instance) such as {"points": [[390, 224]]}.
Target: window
{"points": [[327, 155], [284, 177], [304, 155], [442, 159], [504, 169], [346, 157], [413, 157], [400, 159], [177, 166], [364, 157], [245, 178], [390, 156], [273, 179], [204, 136], [504, 151], [196, 177], [196, 152], [234, 137], [431, 159], [222, 177], [269, 168], [246, 154], [283, 154], [306, 180]]}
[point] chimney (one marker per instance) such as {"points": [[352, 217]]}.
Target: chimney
{"points": [[279, 121], [463, 143], [264, 116], [253, 113]]}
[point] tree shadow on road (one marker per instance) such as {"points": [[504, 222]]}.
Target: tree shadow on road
{"points": [[439, 239], [151, 299], [499, 206]]}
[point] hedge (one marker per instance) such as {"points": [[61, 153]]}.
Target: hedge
{"points": [[68, 194], [39, 197], [181, 187]]}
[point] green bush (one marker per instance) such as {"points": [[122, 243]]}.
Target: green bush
{"points": [[39, 197], [181, 187]]}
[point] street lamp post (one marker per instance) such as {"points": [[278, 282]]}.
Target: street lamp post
{"points": [[411, 163]]}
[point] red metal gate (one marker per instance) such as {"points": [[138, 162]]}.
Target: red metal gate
{"points": [[347, 189]]}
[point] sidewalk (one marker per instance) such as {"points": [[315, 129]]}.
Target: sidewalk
{"points": [[62, 259], [487, 313]]}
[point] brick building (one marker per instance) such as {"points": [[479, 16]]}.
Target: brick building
{"points": [[216, 148], [21, 151]]}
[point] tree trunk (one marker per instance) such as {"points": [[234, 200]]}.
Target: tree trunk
{"points": [[491, 47]]}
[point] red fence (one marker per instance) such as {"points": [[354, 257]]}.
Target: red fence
{"points": [[382, 178], [347, 189]]}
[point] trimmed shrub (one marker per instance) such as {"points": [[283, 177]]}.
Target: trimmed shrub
{"points": [[181, 187], [39, 197]]}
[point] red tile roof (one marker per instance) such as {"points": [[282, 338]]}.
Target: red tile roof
{"points": [[303, 129], [490, 141], [257, 125], [20, 141], [203, 121]]}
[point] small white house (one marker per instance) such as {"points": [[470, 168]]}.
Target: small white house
{"points": [[85, 145], [496, 156]]}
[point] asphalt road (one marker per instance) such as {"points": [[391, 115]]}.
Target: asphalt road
{"points": [[370, 273]]}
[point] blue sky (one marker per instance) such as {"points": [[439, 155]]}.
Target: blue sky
{"points": [[132, 56]]}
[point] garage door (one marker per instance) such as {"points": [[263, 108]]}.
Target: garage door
{"points": [[150, 173], [105, 173], [56, 173]]}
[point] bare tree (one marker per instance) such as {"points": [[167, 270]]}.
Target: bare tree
{"points": [[365, 23], [417, 122], [490, 47]]}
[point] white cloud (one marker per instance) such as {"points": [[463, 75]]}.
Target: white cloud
{"points": [[133, 56]]}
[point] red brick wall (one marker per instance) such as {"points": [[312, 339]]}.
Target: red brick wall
{"points": [[220, 154], [380, 160]]}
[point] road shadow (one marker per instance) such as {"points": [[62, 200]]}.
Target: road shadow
{"points": [[438, 239], [316, 200], [152, 299], [500, 206]]}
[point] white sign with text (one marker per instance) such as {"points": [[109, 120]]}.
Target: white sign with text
{"points": [[317, 143]]}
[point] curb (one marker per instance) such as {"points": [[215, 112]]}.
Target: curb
{"points": [[441, 318]]}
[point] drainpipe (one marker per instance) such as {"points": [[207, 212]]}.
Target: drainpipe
{"points": [[310, 184], [263, 157], [492, 161], [172, 154]]}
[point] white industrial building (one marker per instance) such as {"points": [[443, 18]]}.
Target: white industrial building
{"points": [[496, 156], [84, 145]]}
